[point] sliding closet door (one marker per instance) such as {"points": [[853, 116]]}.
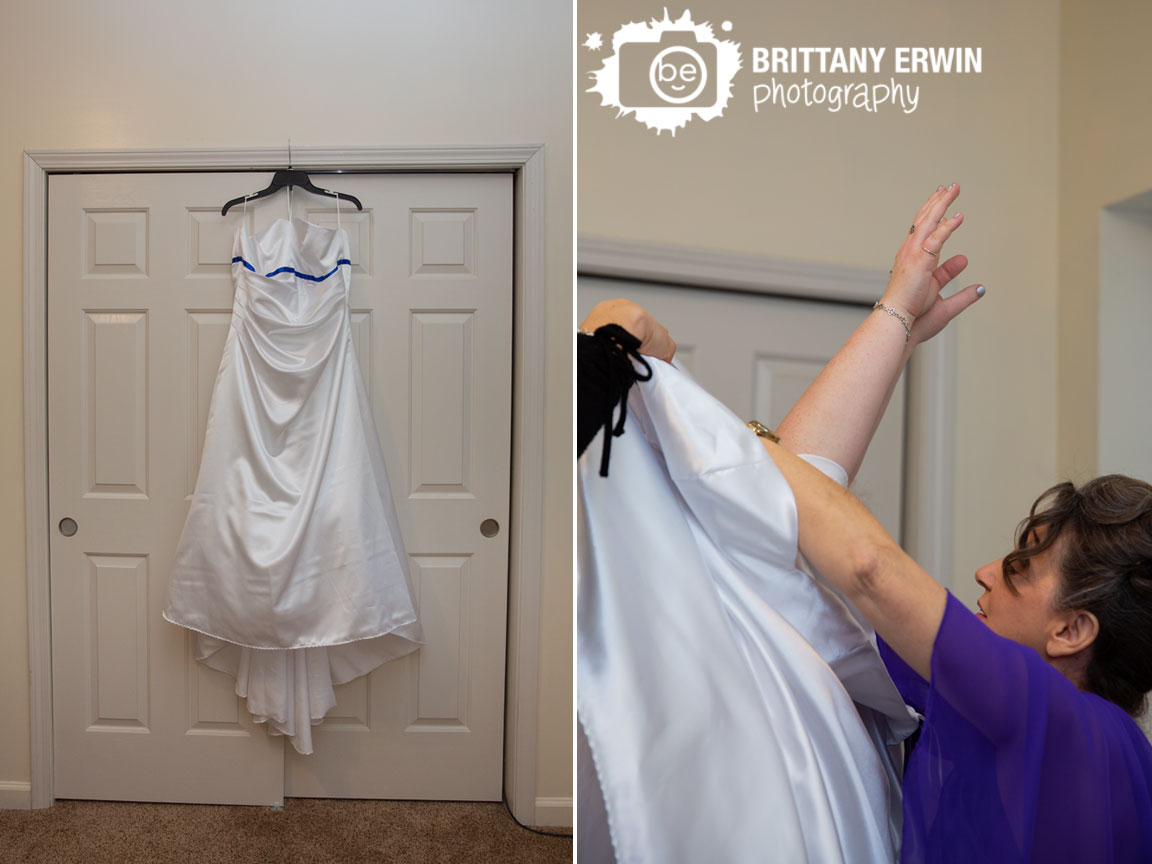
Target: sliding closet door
{"points": [[432, 314], [140, 298], [136, 323]]}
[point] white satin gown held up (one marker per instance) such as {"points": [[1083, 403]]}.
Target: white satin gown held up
{"points": [[291, 567], [733, 705]]}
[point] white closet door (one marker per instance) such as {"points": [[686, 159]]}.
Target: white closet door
{"points": [[757, 354], [432, 309], [140, 297]]}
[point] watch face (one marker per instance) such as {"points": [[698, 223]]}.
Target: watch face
{"points": [[763, 431]]}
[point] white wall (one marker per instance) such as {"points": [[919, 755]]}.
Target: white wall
{"points": [[1105, 158], [141, 74], [1125, 422], [841, 188]]}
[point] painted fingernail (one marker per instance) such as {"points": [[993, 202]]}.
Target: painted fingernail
{"points": [[979, 290], [950, 185], [938, 188], [957, 215]]}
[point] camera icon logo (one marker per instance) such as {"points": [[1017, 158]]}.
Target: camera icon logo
{"points": [[678, 70], [665, 72]]}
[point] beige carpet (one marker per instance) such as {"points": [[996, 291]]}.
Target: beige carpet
{"points": [[306, 831]]}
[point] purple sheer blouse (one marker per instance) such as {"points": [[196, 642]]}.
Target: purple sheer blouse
{"points": [[1014, 764]]}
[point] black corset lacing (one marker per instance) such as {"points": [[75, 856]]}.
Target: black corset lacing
{"points": [[606, 358]]}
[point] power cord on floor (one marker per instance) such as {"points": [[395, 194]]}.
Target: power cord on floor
{"points": [[528, 828]]}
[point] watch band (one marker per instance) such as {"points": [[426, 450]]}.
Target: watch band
{"points": [[763, 431]]}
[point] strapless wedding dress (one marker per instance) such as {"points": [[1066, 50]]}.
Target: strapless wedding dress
{"points": [[291, 567]]}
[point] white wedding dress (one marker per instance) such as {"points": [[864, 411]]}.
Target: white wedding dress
{"points": [[291, 567], [734, 704]]}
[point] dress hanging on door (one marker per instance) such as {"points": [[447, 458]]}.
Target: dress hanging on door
{"points": [[291, 567]]}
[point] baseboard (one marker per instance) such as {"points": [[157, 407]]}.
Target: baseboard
{"points": [[18, 796], [554, 812]]}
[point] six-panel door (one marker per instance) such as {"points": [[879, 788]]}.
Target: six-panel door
{"points": [[140, 297]]}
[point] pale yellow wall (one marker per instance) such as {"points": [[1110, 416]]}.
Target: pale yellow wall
{"points": [[803, 183], [1106, 157], [141, 74]]}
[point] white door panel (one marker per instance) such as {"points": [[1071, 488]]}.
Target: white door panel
{"points": [[135, 717], [435, 304], [757, 354], [140, 299]]}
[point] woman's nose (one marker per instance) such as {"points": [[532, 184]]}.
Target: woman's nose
{"points": [[987, 573]]}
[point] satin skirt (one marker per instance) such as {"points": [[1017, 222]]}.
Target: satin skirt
{"points": [[734, 704], [291, 566]]}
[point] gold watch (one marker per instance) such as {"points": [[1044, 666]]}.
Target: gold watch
{"points": [[763, 431]]}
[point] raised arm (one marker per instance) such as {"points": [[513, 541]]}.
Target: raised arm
{"points": [[852, 550], [839, 413]]}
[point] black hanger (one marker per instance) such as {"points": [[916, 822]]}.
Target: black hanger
{"points": [[299, 179]]}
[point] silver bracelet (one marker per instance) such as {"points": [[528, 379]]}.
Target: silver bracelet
{"points": [[899, 317]]}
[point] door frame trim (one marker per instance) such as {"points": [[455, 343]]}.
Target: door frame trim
{"points": [[525, 564], [930, 419]]}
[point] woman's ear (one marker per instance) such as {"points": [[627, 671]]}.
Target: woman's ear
{"points": [[1076, 631]]}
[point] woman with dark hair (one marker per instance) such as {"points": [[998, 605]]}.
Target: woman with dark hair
{"points": [[1028, 750], [1102, 537]]}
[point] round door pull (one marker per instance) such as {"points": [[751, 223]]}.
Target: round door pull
{"points": [[489, 527], [68, 526]]}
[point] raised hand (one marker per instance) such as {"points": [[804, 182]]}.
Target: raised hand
{"points": [[654, 338], [918, 276]]}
